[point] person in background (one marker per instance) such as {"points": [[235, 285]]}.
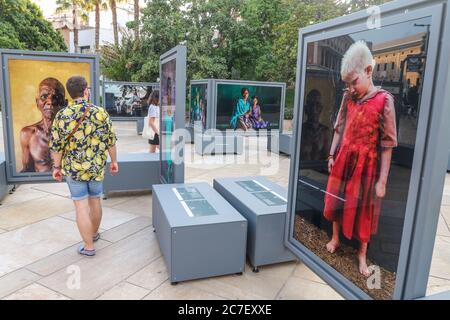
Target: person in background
{"points": [[153, 119]]}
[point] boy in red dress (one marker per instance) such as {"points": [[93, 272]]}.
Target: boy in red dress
{"points": [[360, 154]]}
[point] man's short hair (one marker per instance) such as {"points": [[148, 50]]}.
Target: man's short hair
{"points": [[76, 86]]}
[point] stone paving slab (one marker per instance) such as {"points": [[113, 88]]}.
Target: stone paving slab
{"points": [[181, 291], [31, 243], [126, 229], [152, 276], [109, 267], [248, 286], [301, 289], [111, 217], [124, 291], [35, 292], [138, 205], [26, 213], [16, 280], [62, 259]]}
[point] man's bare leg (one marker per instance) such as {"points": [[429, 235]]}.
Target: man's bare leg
{"points": [[362, 260], [152, 148], [95, 213], [84, 222], [334, 242]]}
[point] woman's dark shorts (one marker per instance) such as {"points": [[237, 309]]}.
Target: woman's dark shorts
{"points": [[155, 140]]}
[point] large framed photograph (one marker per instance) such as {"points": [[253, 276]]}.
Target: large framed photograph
{"points": [[33, 91], [198, 106], [127, 100], [356, 213], [248, 105], [172, 104]]}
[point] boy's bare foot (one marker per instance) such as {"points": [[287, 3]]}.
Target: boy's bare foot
{"points": [[363, 269], [332, 246]]}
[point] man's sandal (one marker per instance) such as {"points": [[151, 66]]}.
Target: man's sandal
{"points": [[96, 237], [83, 251]]}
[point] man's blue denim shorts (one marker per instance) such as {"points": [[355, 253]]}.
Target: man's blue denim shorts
{"points": [[80, 190]]}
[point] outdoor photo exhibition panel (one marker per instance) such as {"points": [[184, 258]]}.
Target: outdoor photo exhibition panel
{"points": [[200, 102], [173, 104], [127, 100], [248, 105], [33, 91], [347, 197]]}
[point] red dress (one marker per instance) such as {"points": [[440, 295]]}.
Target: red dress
{"points": [[351, 198]]}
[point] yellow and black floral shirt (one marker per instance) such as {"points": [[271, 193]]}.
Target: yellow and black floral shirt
{"points": [[85, 155]]}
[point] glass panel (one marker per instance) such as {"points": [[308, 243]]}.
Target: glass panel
{"points": [[350, 210], [270, 198], [168, 103], [199, 104], [193, 202], [251, 186], [124, 100], [248, 107]]}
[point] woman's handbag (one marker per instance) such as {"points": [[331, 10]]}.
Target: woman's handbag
{"points": [[147, 132]]}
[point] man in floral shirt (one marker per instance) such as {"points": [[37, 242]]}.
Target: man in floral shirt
{"points": [[81, 137]]}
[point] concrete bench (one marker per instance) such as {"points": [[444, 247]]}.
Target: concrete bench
{"points": [[200, 234], [208, 143], [263, 203], [4, 189], [139, 126], [137, 171], [285, 142]]}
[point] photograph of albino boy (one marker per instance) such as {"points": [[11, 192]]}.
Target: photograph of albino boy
{"points": [[360, 154]]}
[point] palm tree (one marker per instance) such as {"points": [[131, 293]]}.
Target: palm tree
{"points": [[136, 20], [113, 6], [98, 5], [78, 9]]}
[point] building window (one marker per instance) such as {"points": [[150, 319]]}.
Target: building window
{"points": [[393, 66], [378, 67], [85, 49], [385, 66]]}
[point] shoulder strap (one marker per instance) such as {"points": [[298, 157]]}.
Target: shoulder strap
{"points": [[86, 110]]}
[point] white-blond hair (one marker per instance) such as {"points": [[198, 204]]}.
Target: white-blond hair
{"points": [[357, 58]]}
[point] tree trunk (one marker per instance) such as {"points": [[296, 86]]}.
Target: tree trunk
{"points": [[136, 20], [114, 21], [97, 27], [75, 26]]}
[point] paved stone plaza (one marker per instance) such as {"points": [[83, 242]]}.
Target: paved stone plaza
{"points": [[39, 237]]}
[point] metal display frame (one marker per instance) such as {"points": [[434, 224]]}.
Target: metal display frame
{"points": [[7, 54], [430, 156], [179, 53], [154, 85]]}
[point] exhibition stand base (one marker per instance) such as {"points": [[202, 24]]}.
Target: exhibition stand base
{"points": [[263, 203], [137, 171], [200, 234]]}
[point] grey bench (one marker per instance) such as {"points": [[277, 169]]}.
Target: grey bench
{"points": [[284, 144], [139, 126], [137, 171], [209, 142], [263, 203], [200, 234]]}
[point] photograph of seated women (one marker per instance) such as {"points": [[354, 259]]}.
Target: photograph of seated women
{"points": [[247, 114]]}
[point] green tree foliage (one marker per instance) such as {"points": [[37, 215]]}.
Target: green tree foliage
{"points": [[239, 39], [22, 26]]}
